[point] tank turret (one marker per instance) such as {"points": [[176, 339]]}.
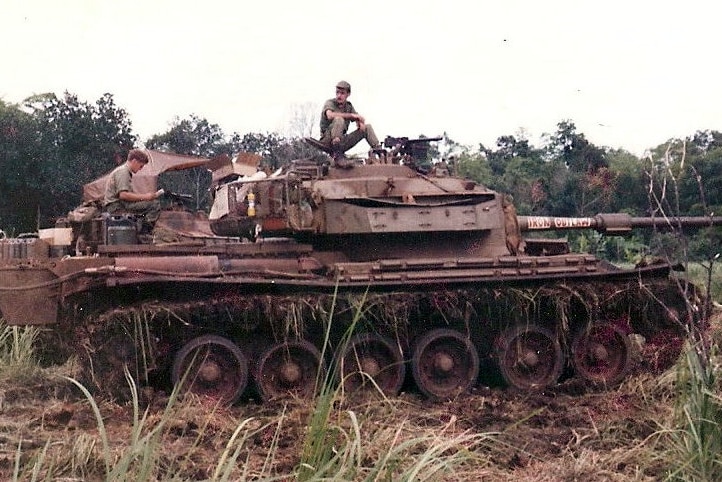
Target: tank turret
{"points": [[395, 209], [367, 211]]}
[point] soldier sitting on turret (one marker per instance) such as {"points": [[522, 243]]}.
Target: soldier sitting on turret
{"points": [[336, 116], [119, 195]]}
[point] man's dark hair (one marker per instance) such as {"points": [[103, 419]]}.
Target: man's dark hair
{"points": [[138, 155]]}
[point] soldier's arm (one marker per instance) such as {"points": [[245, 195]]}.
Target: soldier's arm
{"points": [[351, 116], [133, 196]]}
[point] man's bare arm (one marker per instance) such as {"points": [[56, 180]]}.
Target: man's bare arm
{"points": [[133, 196], [330, 115]]}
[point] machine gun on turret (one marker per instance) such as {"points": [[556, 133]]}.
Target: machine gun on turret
{"points": [[418, 148]]}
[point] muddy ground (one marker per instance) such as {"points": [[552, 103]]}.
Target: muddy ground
{"points": [[560, 434]]}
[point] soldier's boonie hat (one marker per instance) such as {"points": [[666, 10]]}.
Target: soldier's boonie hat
{"points": [[344, 85]]}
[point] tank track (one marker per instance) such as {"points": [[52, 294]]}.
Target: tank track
{"points": [[450, 339]]}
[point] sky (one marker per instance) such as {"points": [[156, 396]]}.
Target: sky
{"points": [[629, 74]]}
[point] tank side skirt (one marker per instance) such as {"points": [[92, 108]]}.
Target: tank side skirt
{"points": [[401, 280]]}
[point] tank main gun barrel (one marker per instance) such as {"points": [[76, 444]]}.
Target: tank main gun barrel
{"points": [[614, 223]]}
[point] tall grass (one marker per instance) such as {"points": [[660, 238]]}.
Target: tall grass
{"points": [[393, 452], [695, 439], [143, 457], [319, 453], [339, 446], [352, 447], [706, 275], [139, 460], [18, 360]]}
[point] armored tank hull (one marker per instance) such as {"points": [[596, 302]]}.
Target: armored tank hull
{"points": [[373, 277]]}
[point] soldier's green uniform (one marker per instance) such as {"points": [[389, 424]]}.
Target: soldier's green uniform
{"points": [[120, 180], [338, 127], [331, 104]]}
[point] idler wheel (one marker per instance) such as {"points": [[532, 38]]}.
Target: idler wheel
{"points": [[290, 368], [602, 355], [529, 357], [444, 364], [211, 366], [371, 361]]}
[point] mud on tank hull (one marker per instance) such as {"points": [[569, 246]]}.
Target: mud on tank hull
{"points": [[272, 340], [260, 320]]}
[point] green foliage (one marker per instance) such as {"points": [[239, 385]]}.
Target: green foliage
{"points": [[445, 150], [193, 136], [197, 136], [276, 151], [17, 354], [80, 139], [524, 177], [707, 275], [687, 174], [630, 190], [474, 166], [577, 153], [52, 147], [628, 249], [702, 184], [706, 244], [319, 454], [143, 458], [696, 442], [587, 185], [21, 157], [508, 147]]}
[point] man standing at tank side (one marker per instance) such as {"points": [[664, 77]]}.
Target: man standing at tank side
{"points": [[119, 195], [336, 116]]}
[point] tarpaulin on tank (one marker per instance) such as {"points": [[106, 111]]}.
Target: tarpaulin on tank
{"points": [[146, 180]]}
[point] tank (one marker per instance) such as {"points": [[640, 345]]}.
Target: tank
{"points": [[375, 275]]}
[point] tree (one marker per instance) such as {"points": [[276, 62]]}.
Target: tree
{"points": [[21, 165], [61, 144], [696, 168], [630, 193], [82, 138], [575, 150], [525, 179], [682, 182], [303, 119], [475, 166], [193, 136], [507, 148], [700, 188], [518, 168], [276, 150], [702, 142], [447, 149], [587, 184]]}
